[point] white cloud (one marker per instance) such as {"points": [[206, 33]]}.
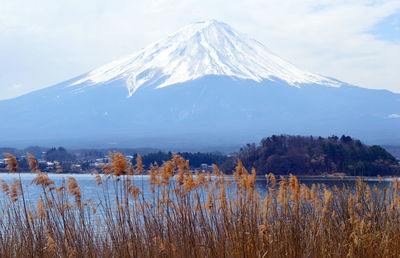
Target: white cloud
{"points": [[394, 116], [45, 42]]}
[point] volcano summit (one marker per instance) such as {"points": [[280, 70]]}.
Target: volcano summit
{"points": [[197, 50], [205, 85]]}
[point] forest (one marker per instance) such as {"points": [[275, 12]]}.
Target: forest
{"points": [[308, 155]]}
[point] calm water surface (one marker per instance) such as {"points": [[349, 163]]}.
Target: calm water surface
{"points": [[89, 188]]}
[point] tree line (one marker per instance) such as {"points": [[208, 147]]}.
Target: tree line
{"points": [[308, 155], [279, 154]]}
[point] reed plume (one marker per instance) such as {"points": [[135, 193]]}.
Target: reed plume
{"points": [[196, 214], [12, 163]]}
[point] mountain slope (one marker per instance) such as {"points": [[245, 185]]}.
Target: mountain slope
{"points": [[205, 85], [199, 49]]}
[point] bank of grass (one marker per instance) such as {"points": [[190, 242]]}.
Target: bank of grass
{"points": [[201, 215]]}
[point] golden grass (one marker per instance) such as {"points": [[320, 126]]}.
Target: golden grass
{"points": [[201, 215]]}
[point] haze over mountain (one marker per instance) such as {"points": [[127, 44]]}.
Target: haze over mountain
{"points": [[205, 85]]}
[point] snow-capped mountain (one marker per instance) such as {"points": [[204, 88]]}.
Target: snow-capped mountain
{"points": [[197, 50], [205, 85]]}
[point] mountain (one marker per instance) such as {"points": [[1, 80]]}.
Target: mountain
{"points": [[197, 50], [205, 85]]}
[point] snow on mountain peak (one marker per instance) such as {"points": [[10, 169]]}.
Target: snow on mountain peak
{"points": [[196, 50]]}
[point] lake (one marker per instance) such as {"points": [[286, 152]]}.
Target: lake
{"points": [[89, 188]]}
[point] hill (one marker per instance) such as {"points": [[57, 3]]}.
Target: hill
{"points": [[301, 155]]}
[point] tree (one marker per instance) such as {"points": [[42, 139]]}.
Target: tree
{"points": [[301, 155]]}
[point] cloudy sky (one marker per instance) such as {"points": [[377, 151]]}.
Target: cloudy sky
{"points": [[43, 42]]}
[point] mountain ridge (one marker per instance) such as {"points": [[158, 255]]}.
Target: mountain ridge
{"points": [[199, 49], [213, 109]]}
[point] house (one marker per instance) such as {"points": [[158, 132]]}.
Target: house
{"points": [[76, 167]]}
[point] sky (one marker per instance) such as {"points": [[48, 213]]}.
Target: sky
{"points": [[44, 42]]}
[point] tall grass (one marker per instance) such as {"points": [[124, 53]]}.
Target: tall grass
{"points": [[201, 215]]}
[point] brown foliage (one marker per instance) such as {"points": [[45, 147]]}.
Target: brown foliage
{"points": [[198, 215]]}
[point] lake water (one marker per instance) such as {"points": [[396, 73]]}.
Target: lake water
{"points": [[89, 188]]}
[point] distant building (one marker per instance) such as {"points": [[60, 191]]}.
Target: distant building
{"points": [[51, 165], [99, 164], [76, 167], [3, 163], [206, 167]]}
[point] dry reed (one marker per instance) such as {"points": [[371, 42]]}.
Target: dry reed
{"points": [[196, 214]]}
